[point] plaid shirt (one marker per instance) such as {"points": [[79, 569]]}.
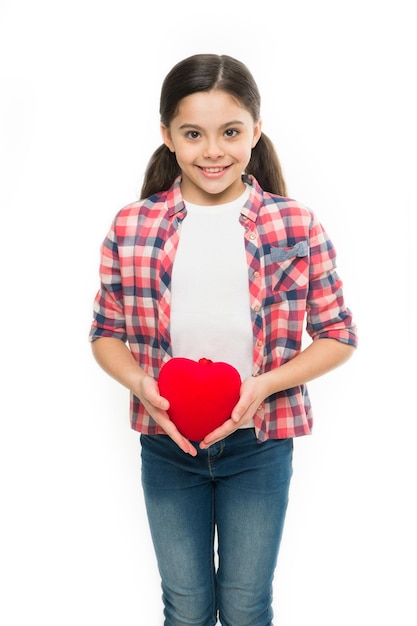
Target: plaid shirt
{"points": [[292, 283]]}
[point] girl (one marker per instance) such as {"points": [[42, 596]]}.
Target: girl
{"points": [[215, 261]]}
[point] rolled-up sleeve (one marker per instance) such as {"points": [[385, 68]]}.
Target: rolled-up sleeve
{"points": [[108, 309], [327, 314]]}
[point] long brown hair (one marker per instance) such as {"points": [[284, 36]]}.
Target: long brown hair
{"points": [[205, 72]]}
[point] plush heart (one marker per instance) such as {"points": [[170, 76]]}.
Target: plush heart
{"points": [[201, 394]]}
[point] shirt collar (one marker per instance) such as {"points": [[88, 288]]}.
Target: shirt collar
{"points": [[253, 204], [174, 198]]}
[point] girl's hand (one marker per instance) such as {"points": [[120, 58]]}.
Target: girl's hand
{"points": [[317, 359], [157, 407], [252, 394]]}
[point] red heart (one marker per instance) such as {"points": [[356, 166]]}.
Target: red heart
{"points": [[201, 394]]}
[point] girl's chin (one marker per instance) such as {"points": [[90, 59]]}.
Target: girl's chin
{"points": [[207, 190]]}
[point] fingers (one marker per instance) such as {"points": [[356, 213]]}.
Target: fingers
{"points": [[150, 394], [226, 429], [181, 441], [163, 420], [157, 407], [243, 412]]}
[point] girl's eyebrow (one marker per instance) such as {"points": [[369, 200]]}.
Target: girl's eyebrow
{"points": [[197, 127]]}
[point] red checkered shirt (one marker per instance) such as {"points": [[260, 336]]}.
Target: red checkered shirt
{"points": [[293, 284]]}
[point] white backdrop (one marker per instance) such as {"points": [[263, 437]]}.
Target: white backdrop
{"points": [[80, 84]]}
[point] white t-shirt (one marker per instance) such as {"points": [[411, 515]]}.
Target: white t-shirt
{"points": [[210, 312]]}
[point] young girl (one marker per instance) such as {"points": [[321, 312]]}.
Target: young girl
{"points": [[215, 261]]}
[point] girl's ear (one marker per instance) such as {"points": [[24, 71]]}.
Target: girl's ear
{"points": [[257, 132], [166, 138]]}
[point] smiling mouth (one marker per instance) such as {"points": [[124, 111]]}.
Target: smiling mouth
{"points": [[213, 170]]}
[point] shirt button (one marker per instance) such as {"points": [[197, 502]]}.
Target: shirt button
{"points": [[256, 308], [259, 343], [252, 236], [255, 274]]}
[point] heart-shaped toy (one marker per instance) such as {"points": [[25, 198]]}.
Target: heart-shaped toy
{"points": [[202, 394]]}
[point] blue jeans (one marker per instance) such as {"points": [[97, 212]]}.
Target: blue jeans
{"points": [[237, 487]]}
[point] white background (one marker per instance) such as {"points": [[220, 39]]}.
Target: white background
{"points": [[79, 118]]}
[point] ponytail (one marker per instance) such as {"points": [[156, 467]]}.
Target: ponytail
{"points": [[160, 173], [264, 165]]}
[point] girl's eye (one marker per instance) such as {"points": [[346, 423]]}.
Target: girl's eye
{"points": [[193, 134], [231, 132]]}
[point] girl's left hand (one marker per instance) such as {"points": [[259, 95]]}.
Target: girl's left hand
{"points": [[252, 394]]}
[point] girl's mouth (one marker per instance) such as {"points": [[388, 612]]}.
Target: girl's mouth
{"points": [[213, 172]]}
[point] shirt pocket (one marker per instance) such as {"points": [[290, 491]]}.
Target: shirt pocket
{"points": [[287, 274]]}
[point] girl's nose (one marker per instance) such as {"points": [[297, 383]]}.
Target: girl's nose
{"points": [[213, 149]]}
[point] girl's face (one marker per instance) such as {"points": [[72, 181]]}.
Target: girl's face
{"points": [[212, 136]]}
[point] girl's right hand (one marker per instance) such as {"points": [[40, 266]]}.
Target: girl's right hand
{"points": [[116, 359], [157, 407]]}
